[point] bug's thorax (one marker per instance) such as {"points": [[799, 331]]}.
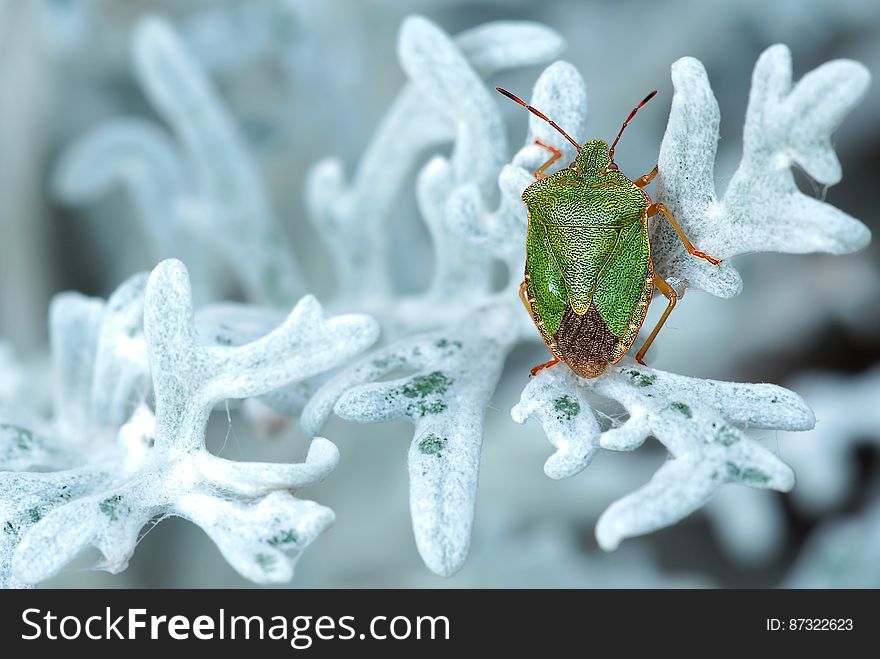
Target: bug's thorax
{"points": [[589, 192], [592, 166]]}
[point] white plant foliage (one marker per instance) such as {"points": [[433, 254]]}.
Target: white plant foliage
{"points": [[453, 376], [444, 101], [762, 209], [235, 324], [198, 189], [451, 372], [749, 525], [847, 417], [700, 422], [468, 329], [137, 463], [841, 553], [109, 461]]}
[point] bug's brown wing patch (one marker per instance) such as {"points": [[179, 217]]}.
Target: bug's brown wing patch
{"points": [[585, 343]]}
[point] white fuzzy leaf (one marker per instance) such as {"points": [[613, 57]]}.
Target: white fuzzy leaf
{"points": [[204, 191], [455, 372], [762, 209], [700, 422], [160, 465], [352, 217]]}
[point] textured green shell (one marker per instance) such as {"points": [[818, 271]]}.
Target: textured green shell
{"points": [[587, 243]]}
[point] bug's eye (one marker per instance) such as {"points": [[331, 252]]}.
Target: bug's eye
{"points": [[613, 167]]}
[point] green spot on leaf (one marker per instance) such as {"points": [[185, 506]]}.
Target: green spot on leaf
{"points": [[445, 343], [426, 385], [747, 475], [641, 379], [9, 528], [726, 436], [284, 538], [432, 444], [265, 561], [420, 388], [423, 407], [110, 507], [683, 408], [753, 475], [35, 515], [567, 408]]}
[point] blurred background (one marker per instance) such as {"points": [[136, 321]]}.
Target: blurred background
{"points": [[305, 79]]}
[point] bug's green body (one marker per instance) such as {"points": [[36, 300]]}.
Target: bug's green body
{"points": [[588, 276]]}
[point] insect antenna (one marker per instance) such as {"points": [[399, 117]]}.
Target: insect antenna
{"points": [[539, 114], [628, 119]]}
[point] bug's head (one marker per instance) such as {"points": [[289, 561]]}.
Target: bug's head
{"points": [[593, 158]]}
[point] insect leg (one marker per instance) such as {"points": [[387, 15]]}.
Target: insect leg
{"points": [[642, 181], [541, 367], [557, 154], [524, 295], [653, 209], [671, 295]]}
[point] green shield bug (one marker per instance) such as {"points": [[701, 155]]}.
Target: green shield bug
{"points": [[589, 277]]}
